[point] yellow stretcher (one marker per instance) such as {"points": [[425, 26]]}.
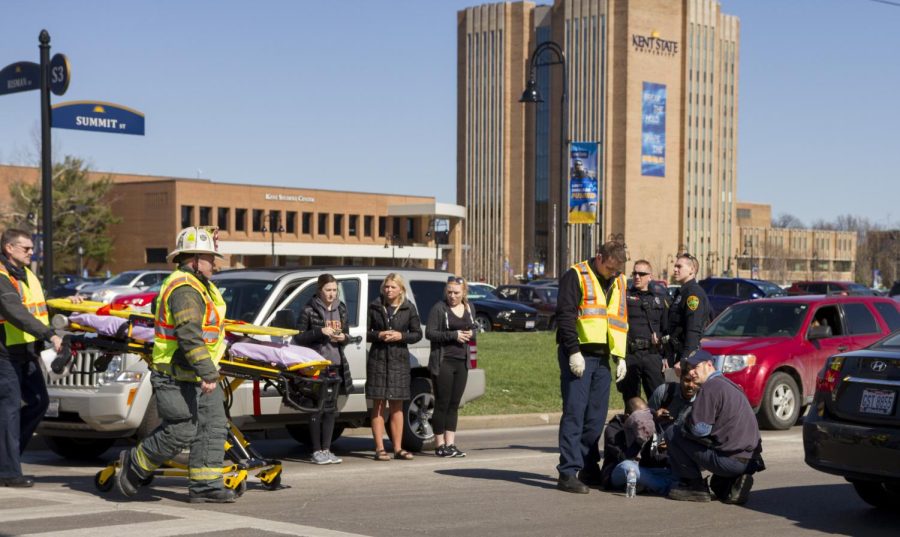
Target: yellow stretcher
{"points": [[308, 386]]}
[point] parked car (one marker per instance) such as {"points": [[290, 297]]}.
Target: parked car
{"points": [[142, 301], [773, 347], [544, 282], [723, 292], [543, 299], [90, 410], [124, 283], [672, 288], [495, 314], [853, 426], [829, 288], [479, 290], [894, 291]]}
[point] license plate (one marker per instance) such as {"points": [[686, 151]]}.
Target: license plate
{"points": [[529, 325], [52, 409], [877, 402]]}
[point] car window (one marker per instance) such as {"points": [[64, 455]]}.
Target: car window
{"points": [[300, 300], [526, 295], [746, 290], [759, 319], [828, 316], [890, 315], [146, 280], [477, 291], [549, 294], [859, 319], [815, 288], [427, 294], [726, 288], [509, 293], [770, 289], [122, 279], [348, 293], [243, 298]]}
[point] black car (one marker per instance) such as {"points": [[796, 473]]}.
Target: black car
{"points": [[723, 292], [495, 314], [853, 425], [541, 298]]}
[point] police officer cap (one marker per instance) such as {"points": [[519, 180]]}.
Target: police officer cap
{"points": [[698, 357]]}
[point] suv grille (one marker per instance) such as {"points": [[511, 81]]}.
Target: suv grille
{"points": [[83, 373]]}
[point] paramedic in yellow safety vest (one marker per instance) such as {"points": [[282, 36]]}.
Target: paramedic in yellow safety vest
{"points": [[592, 332], [24, 327], [188, 343]]}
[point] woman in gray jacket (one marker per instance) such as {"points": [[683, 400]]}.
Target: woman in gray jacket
{"points": [[450, 328]]}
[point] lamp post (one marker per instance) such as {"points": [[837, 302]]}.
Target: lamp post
{"points": [[274, 225], [711, 259], [748, 247], [433, 233], [393, 242], [532, 95]]}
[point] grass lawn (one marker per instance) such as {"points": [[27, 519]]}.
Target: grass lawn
{"points": [[522, 375]]}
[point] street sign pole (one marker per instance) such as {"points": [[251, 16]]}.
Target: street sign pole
{"points": [[46, 165]]}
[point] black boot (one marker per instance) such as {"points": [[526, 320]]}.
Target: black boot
{"points": [[213, 496], [691, 490], [570, 483], [739, 492], [127, 478], [21, 481]]}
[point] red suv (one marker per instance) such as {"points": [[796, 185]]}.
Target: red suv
{"points": [[829, 288], [774, 347]]}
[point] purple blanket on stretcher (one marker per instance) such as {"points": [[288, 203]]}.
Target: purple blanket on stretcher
{"points": [[269, 353]]}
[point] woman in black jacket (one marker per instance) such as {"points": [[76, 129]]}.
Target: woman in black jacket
{"points": [[393, 324], [323, 328], [449, 330]]}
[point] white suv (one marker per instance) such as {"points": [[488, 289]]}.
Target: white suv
{"points": [[90, 410]]}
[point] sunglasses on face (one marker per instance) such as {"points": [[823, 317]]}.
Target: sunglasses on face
{"points": [[641, 274], [456, 279]]}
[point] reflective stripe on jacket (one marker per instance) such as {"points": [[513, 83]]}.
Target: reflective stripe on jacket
{"points": [[33, 299], [600, 320], [165, 342]]}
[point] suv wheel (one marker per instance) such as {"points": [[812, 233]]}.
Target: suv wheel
{"points": [[781, 403], [79, 449], [418, 411], [878, 494]]}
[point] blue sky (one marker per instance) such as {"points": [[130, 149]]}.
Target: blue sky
{"points": [[360, 95]]}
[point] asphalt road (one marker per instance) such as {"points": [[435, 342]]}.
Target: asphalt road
{"points": [[505, 487]]}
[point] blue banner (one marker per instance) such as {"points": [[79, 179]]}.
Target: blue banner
{"points": [[97, 116], [584, 188], [653, 130], [20, 76]]}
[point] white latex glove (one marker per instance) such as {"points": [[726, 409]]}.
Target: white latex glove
{"points": [[576, 364], [621, 369]]}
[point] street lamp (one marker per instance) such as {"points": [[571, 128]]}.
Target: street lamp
{"points": [[433, 233], [532, 95], [711, 259], [274, 225], [393, 242]]}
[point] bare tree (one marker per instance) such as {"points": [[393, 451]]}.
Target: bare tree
{"points": [[787, 220]]}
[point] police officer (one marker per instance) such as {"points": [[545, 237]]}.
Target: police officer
{"points": [[647, 312], [689, 313], [719, 435], [23, 321], [592, 328], [188, 343]]}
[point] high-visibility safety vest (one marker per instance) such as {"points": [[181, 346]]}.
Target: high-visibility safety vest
{"points": [[600, 320], [165, 344], [32, 296]]}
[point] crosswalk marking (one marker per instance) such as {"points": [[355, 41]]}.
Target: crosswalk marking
{"points": [[186, 521]]}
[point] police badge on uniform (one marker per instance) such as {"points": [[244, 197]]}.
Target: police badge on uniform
{"points": [[693, 302]]}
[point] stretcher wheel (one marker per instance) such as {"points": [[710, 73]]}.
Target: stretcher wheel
{"points": [[241, 488], [275, 484], [103, 486]]}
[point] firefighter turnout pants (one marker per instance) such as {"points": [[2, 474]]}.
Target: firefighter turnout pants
{"points": [[190, 419]]}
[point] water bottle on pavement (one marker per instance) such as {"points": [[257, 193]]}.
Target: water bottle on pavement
{"points": [[630, 483]]}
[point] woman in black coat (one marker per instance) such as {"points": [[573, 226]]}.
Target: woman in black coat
{"points": [[323, 327], [393, 324], [450, 328]]}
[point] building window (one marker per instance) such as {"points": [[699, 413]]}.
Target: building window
{"points": [[205, 216], [290, 222], [323, 224], [382, 226], [395, 226], [257, 220], [222, 219], [410, 228], [240, 219], [307, 224], [156, 255], [338, 225], [367, 226], [353, 225], [187, 216]]}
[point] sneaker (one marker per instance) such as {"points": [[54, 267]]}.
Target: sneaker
{"points": [[213, 496], [570, 483], [127, 479], [455, 451], [694, 490], [740, 490], [332, 458], [442, 451], [320, 457]]}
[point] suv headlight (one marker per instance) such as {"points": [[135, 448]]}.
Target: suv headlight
{"points": [[731, 363], [112, 370]]}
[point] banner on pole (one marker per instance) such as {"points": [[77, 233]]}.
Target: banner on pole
{"points": [[653, 130], [584, 191]]}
